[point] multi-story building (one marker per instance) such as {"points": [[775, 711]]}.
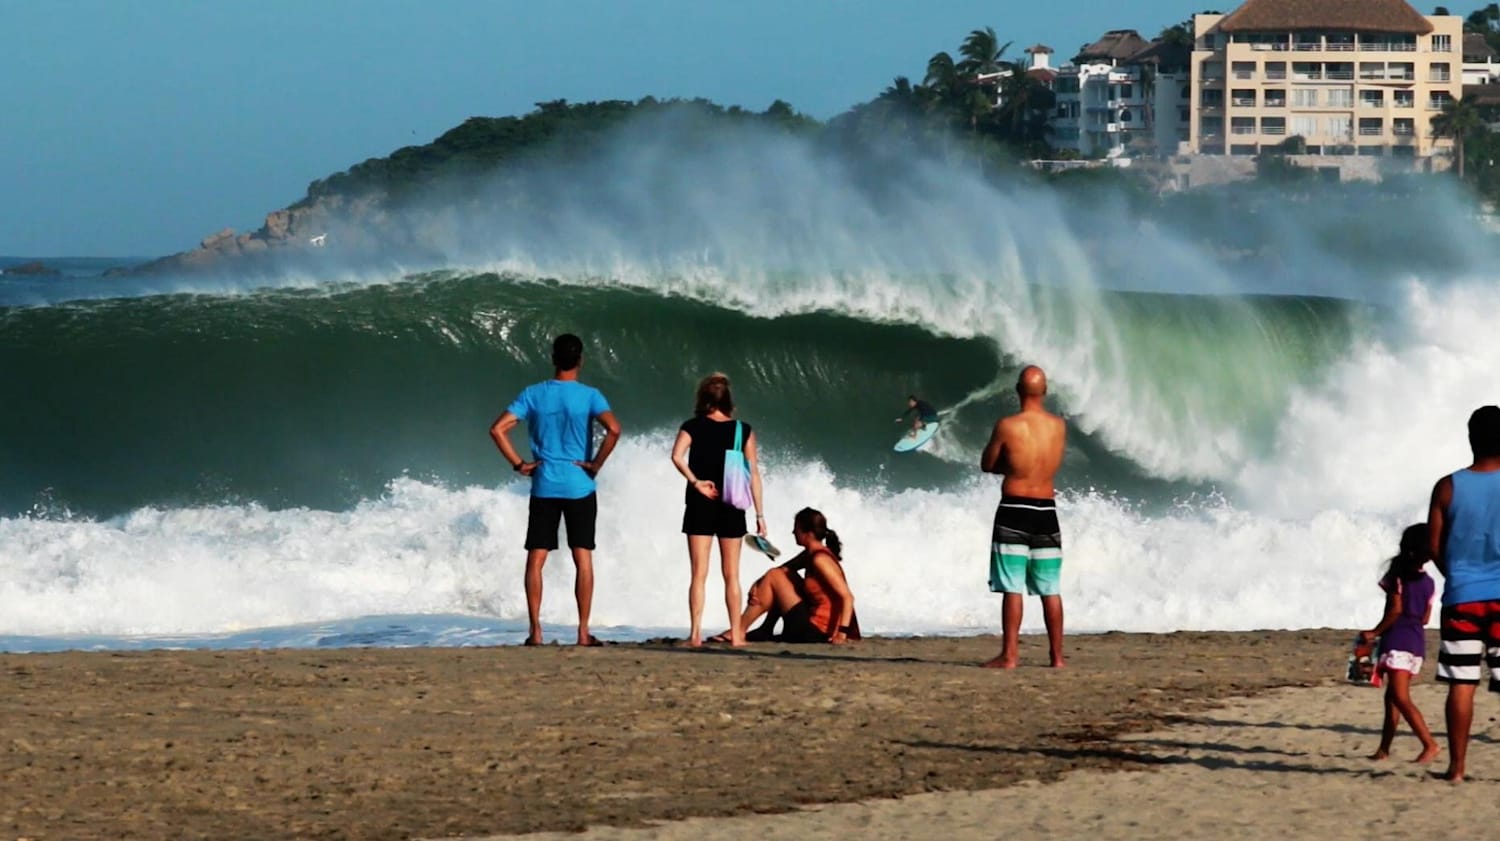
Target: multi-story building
{"points": [[1350, 77], [1481, 63], [1123, 95], [1101, 100]]}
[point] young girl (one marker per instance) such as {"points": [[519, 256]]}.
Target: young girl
{"points": [[1408, 606]]}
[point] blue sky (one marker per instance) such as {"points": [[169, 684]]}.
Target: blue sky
{"points": [[135, 128]]}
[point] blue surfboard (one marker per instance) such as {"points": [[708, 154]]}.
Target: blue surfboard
{"points": [[911, 443]]}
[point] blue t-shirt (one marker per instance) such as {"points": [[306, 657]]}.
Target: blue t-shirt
{"points": [[559, 416], [1473, 548]]}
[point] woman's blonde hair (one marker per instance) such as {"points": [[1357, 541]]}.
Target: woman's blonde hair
{"points": [[714, 394]]}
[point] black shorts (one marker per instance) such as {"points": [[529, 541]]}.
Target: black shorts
{"points": [[543, 517], [797, 626], [712, 517]]}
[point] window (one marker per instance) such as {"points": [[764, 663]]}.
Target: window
{"points": [[1371, 127], [1405, 127], [1372, 99], [1440, 72], [1243, 97], [1244, 70], [1213, 69], [1242, 125], [1442, 43], [1273, 125], [1341, 127], [1405, 99], [1340, 98], [1305, 97], [1212, 98], [1275, 70], [1305, 126]]}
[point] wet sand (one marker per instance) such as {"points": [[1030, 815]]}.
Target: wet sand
{"points": [[439, 742]]}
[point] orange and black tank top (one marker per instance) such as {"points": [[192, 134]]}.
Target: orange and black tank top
{"points": [[820, 601]]}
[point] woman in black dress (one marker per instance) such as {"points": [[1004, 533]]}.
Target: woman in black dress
{"points": [[699, 456]]}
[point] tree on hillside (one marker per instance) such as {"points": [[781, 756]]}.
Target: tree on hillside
{"points": [[1460, 119], [1484, 20]]}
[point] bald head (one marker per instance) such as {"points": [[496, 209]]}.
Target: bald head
{"points": [[1032, 382]]}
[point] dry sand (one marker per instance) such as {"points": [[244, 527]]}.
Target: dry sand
{"points": [[1290, 765], [444, 742]]}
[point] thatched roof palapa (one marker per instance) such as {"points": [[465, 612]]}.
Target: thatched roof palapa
{"points": [[1116, 45], [1387, 16]]}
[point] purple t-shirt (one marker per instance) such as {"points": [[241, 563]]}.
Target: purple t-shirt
{"points": [[1407, 634]]}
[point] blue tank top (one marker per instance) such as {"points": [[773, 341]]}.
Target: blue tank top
{"points": [[1473, 547]]}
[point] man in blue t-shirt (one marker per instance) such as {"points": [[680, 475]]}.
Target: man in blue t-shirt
{"points": [[559, 415], [1463, 522]]}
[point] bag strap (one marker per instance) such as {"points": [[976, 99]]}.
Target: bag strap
{"points": [[737, 430]]}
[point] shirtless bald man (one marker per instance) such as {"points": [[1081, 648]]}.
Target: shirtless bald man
{"points": [[1026, 552]]}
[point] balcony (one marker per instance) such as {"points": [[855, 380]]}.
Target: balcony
{"points": [[1340, 48], [1439, 76], [1272, 128], [1347, 75], [1243, 129], [1244, 101], [1244, 74], [1436, 104], [1387, 47], [1371, 103], [1276, 74], [1371, 131], [1275, 103], [1307, 47], [1405, 103], [1387, 76]]}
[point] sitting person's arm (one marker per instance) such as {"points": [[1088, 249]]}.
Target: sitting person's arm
{"points": [[829, 570]]}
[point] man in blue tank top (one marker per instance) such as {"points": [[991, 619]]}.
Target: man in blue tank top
{"points": [[1464, 529], [559, 415]]}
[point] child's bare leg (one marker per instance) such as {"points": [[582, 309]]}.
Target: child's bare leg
{"points": [[1389, 720], [1398, 689]]}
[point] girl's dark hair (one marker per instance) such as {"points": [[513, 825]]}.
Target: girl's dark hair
{"points": [[1408, 563], [812, 521], [713, 393]]}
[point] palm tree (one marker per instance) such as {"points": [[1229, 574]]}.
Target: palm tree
{"points": [[982, 52], [1459, 119]]}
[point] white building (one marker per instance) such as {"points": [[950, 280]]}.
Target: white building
{"points": [[1481, 65], [1122, 95]]}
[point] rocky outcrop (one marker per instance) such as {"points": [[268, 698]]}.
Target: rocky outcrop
{"points": [[33, 269], [286, 230]]}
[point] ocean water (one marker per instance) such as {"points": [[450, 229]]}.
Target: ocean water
{"points": [[301, 458]]}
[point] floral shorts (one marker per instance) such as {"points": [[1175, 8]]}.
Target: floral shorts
{"points": [[1400, 661]]}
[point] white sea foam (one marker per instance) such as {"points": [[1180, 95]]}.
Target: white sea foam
{"points": [[916, 560]]}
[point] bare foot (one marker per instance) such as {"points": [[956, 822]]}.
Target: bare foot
{"points": [[998, 663], [1428, 754], [691, 643], [1451, 775], [1059, 663], [1380, 754]]}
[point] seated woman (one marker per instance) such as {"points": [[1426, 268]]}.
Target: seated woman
{"points": [[815, 606]]}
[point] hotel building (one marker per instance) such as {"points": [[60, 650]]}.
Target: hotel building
{"points": [[1350, 77]]}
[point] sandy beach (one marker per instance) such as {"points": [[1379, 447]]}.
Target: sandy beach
{"points": [[1175, 731]]}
